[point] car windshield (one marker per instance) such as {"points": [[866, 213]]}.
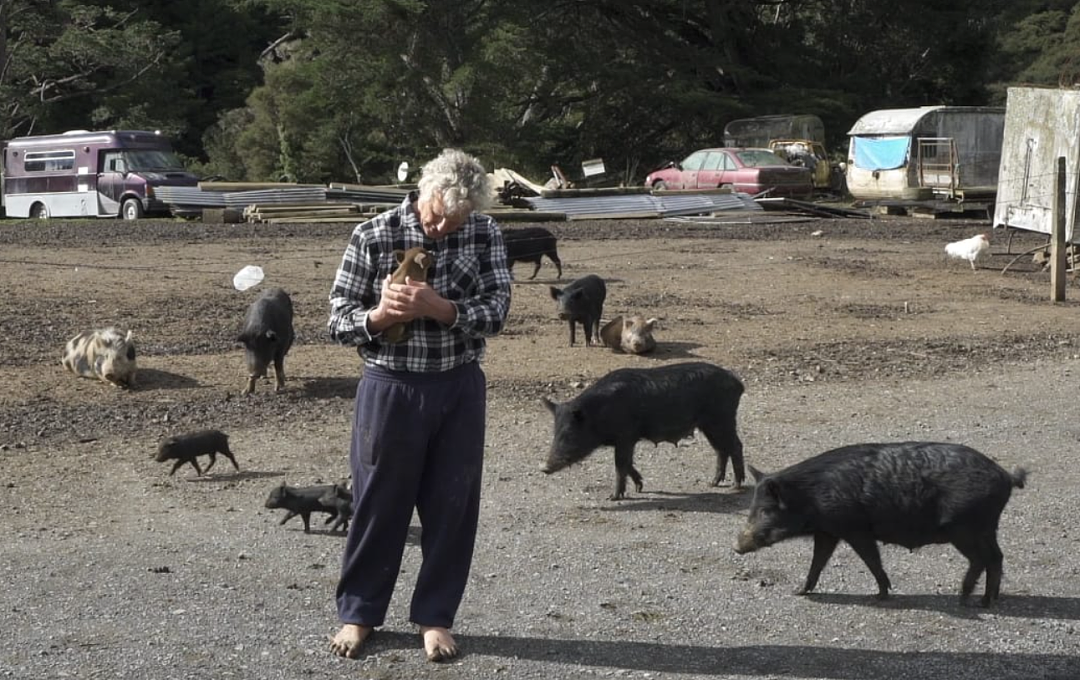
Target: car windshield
{"points": [[151, 160], [758, 158]]}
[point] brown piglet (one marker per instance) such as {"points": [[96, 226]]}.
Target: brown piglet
{"points": [[412, 264]]}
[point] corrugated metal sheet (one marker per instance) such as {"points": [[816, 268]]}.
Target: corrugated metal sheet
{"points": [[660, 205], [367, 195], [190, 196], [241, 199]]}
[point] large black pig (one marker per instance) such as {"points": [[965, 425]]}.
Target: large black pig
{"points": [[530, 244], [910, 494], [267, 336], [663, 404], [582, 301]]}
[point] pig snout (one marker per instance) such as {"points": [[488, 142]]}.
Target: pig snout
{"points": [[637, 345], [258, 362], [746, 543], [547, 467], [555, 462]]}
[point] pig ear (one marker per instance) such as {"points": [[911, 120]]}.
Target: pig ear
{"points": [[129, 337], [399, 256], [555, 293], [650, 323], [422, 259], [271, 336], [551, 406], [772, 489]]}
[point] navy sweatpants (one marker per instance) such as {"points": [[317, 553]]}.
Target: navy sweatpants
{"points": [[417, 441]]}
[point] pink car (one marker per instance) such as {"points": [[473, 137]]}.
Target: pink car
{"points": [[749, 171]]}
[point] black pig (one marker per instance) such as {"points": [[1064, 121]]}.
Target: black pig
{"points": [[185, 448], [663, 404], [301, 500], [267, 336], [339, 499], [530, 245], [910, 494], [582, 301]]}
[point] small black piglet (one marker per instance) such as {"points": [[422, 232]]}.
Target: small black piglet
{"points": [[186, 448], [302, 500], [339, 498]]}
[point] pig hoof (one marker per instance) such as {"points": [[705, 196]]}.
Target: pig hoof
{"points": [[882, 595]]}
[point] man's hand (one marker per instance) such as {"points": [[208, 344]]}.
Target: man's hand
{"points": [[403, 302]]}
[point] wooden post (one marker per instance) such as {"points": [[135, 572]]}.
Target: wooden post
{"points": [[1057, 240]]}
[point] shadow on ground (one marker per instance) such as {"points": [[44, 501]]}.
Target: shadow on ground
{"points": [[1018, 606], [721, 500], [232, 476], [330, 387], [769, 661], [155, 379]]}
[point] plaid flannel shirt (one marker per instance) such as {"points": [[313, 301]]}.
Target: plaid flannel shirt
{"points": [[470, 271]]}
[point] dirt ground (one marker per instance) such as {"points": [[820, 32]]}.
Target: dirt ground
{"points": [[842, 330]]}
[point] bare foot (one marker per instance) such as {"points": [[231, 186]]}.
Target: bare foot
{"points": [[438, 643], [349, 640]]}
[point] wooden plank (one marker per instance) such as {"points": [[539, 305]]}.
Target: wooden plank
{"points": [[221, 216], [356, 219], [1057, 236], [286, 207]]}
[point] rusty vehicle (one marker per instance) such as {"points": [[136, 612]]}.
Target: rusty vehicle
{"points": [[808, 154], [757, 172]]}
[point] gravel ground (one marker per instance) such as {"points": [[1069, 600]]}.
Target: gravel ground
{"points": [[116, 570]]}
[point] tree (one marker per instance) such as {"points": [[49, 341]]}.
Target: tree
{"points": [[60, 60]]}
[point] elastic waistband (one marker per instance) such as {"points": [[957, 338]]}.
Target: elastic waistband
{"points": [[372, 372]]}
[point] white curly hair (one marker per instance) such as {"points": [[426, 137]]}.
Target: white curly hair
{"points": [[458, 179]]}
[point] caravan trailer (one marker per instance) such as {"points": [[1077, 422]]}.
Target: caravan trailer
{"points": [[90, 174], [948, 153]]}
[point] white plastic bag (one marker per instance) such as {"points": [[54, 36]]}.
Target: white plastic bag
{"points": [[247, 277]]}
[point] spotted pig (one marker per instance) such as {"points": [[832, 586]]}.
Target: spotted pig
{"points": [[107, 355]]}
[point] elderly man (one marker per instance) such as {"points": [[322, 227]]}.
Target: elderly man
{"points": [[418, 430]]}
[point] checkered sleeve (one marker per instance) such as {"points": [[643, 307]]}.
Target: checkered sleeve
{"points": [[355, 290], [484, 314]]}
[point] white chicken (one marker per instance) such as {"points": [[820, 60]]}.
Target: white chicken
{"points": [[969, 249]]}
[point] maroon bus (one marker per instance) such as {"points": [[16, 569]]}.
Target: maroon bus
{"points": [[90, 174]]}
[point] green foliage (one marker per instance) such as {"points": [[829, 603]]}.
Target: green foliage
{"points": [[337, 90]]}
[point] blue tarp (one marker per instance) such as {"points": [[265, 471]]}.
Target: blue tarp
{"points": [[881, 153]]}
